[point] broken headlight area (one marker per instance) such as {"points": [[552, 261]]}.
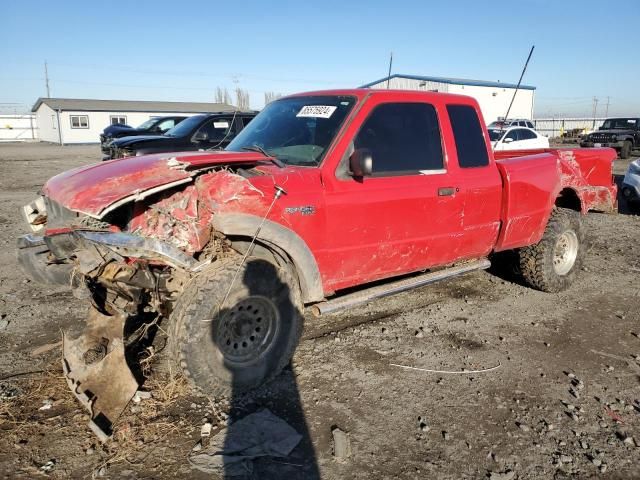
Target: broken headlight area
{"points": [[35, 213]]}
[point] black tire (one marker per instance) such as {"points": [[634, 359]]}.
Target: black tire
{"points": [[625, 151], [537, 261], [250, 340]]}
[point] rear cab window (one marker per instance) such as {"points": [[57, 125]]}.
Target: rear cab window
{"points": [[469, 138], [403, 138]]}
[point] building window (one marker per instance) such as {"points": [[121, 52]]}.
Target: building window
{"points": [[118, 120], [79, 121]]}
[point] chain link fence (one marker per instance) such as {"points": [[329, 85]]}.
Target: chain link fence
{"points": [[566, 127]]}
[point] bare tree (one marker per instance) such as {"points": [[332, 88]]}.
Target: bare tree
{"points": [[271, 96], [242, 99], [222, 96]]}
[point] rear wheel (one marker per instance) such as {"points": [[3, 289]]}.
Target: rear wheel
{"points": [[625, 151], [249, 339], [552, 264]]}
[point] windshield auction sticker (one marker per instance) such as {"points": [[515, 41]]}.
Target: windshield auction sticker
{"points": [[317, 111]]}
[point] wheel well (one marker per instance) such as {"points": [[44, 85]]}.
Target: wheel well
{"points": [[266, 251], [568, 198]]}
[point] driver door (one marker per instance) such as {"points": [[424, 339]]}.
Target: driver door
{"points": [[406, 216]]}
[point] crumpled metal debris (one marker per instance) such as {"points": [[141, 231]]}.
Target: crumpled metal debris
{"points": [[231, 451], [97, 372]]}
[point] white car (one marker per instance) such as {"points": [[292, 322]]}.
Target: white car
{"points": [[517, 138]]}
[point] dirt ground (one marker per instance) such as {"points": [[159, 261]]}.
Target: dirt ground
{"points": [[564, 401]]}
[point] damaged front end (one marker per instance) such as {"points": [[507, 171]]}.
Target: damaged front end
{"points": [[126, 278], [130, 257]]}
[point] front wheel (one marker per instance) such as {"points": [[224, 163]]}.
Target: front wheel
{"points": [[625, 151], [552, 264], [239, 345]]}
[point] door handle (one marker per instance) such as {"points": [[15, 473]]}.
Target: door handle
{"points": [[447, 191]]}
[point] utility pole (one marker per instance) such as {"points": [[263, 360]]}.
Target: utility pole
{"points": [[606, 110], [46, 79], [595, 106]]}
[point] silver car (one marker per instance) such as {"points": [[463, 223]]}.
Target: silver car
{"points": [[631, 183]]}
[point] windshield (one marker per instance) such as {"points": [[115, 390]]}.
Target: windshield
{"points": [[147, 124], [186, 126], [298, 130], [620, 123], [495, 134]]}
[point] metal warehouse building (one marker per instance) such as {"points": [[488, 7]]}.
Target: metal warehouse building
{"points": [[71, 120], [493, 97]]}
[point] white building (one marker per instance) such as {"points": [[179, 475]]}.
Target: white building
{"points": [[70, 120], [493, 97]]}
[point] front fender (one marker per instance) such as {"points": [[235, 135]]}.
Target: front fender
{"points": [[272, 233]]}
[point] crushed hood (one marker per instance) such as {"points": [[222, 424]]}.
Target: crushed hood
{"points": [[97, 189]]}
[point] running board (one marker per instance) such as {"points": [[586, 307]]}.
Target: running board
{"points": [[392, 288]]}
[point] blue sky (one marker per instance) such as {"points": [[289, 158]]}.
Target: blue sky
{"points": [[170, 50]]}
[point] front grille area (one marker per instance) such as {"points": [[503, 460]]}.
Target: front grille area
{"points": [[57, 215], [600, 138], [115, 152]]}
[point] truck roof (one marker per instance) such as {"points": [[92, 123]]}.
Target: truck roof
{"points": [[360, 93]]}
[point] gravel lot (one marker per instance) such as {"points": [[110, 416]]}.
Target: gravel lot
{"points": [[564, 403]]}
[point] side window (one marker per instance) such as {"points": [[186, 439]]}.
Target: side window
{"points": [[529, 124], [245, 121], [513, 134], [166, 125], [470, 142], [217, 130], [402, 138], [527, 134]]}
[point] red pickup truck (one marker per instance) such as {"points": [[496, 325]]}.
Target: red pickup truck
{"points": [[321, 193]]}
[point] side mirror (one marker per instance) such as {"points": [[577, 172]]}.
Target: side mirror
{"points": [[200, 137], [361, 162], [507, 140]]}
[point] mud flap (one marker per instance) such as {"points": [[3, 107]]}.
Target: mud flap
{"points": [[97, 372]]}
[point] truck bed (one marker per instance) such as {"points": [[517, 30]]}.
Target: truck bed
{"points": [[582, 178]]}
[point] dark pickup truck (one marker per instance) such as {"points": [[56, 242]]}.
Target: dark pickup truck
{"points": [[201, 132], [153, 126], [623, 134]]}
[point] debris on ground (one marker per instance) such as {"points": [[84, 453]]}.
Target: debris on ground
{"points": [[232, 450], [341, 443]]}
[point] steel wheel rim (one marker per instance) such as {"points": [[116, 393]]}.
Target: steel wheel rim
{"points": [[247, 330], [565, 252]]}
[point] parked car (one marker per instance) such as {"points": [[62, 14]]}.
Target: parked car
{"points": [[631, 184], [623, 134], [511, 122], [199, 132], [517, 138], [153, 126], [321, 193]]}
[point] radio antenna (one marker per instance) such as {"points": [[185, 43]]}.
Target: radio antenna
{"points": [[389, 74], [526, 64]]}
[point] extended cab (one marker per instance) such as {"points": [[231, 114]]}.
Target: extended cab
{"points": [[623, 134], [320, 193]]}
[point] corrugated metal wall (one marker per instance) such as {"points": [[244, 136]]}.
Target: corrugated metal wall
{"points": [[412, 84]]}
